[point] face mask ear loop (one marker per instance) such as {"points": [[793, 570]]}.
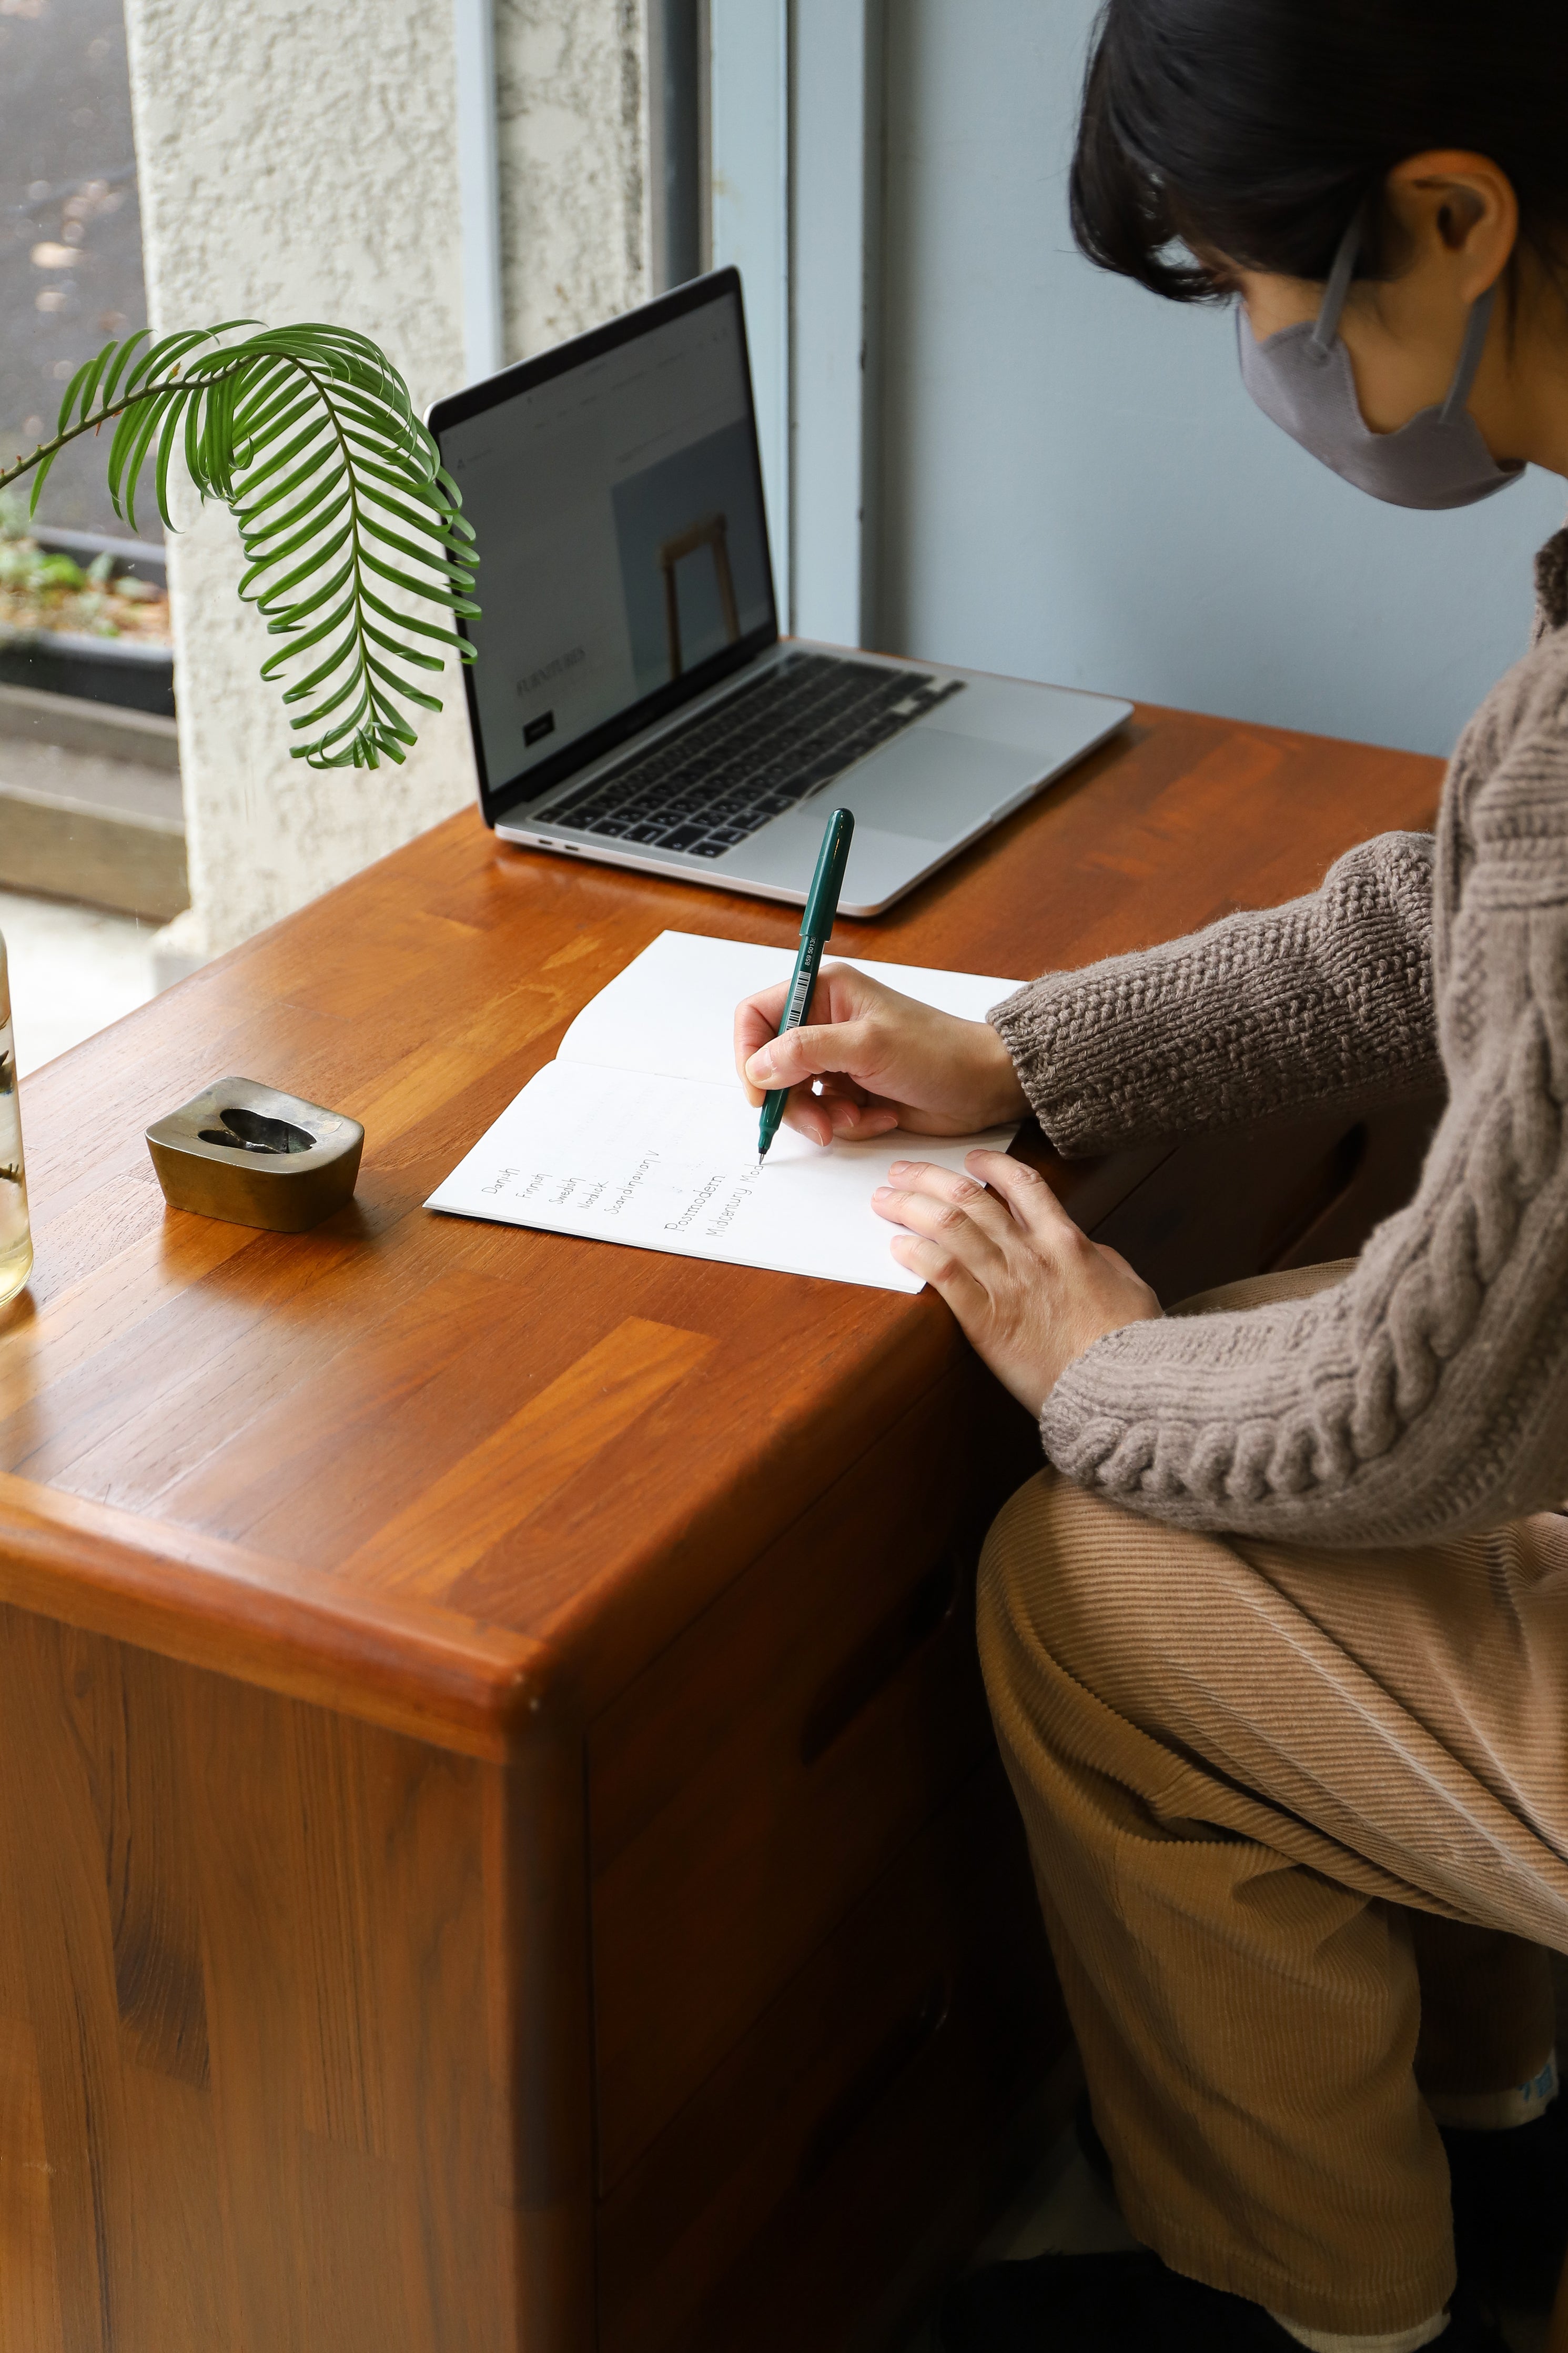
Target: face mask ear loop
{"points": [[1470, 356], [1322, 340]]}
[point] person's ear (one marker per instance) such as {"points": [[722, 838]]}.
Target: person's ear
{"points": [[1459, 217]]}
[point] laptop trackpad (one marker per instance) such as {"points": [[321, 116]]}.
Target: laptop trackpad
{"points": [[784, 855], [931, 784]]}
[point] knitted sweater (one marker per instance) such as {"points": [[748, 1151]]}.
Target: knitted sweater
{"points": [[1428, 1393]]}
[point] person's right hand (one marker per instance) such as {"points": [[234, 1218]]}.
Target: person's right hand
{"points": [[880, 1059]]}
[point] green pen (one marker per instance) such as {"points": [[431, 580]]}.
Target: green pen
{"points": [[815, 930]]}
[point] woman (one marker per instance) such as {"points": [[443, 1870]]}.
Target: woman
{"points": [[1277, 1651]]}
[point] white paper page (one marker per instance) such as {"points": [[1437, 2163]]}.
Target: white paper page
{"points": [[671, 1165], [673, 1007]]}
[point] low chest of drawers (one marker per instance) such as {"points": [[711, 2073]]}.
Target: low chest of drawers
{"points": [[500, 1848]]}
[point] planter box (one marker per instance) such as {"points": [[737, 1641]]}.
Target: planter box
{"points": [[138, 677], [99, 669]]}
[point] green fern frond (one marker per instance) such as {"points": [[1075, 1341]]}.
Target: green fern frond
{"points": [[308, 436]]}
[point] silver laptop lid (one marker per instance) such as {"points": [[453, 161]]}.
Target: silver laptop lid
{"points": [[616, 492]]}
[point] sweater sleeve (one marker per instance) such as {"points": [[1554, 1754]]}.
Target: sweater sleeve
{"points": [[1428, 1393], [1326, 999]]}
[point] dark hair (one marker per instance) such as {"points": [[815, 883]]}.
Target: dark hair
{"points": [[1255, 129]]}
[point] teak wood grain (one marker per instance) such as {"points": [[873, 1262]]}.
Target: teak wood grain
{"points": [[497, 1844], [306, 1399]]}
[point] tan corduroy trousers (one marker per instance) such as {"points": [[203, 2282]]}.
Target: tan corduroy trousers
{"points": [[1299, 1824]]}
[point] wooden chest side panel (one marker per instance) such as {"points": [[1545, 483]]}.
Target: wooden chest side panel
{"points": [[245, 1999]]}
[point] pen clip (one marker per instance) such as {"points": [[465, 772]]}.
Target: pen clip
{"points": [[822, 899]]}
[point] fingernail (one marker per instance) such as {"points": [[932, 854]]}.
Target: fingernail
{"points": [[899, 1168], [883, 1193], [760, 1065]]}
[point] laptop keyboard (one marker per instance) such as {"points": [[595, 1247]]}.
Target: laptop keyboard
{"points": [[762, 750]]}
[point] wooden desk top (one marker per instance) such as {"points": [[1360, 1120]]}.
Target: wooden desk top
{"points": [[407, 1465]]}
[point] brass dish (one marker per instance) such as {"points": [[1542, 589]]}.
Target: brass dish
{"points": [[254, 1156]]}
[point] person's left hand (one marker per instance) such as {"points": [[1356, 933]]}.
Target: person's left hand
{"points": [[1030, 1290]]}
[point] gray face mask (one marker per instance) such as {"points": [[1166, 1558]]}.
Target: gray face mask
{"points": [[1302, 378]]}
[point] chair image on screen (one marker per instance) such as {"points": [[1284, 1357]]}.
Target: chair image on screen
{"points": [[713, 532]]}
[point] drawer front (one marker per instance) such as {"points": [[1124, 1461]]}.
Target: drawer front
{"points": [[761, 1773], [1286, 1193], [843, 2144]]}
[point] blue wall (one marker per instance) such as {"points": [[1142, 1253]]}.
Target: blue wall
{"points": [[1075, 486]]}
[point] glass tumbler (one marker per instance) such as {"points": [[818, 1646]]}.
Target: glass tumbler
{"points": [[16, 1239]]}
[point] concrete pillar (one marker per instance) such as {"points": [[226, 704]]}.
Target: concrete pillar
{"points": [[300, 161], [573, 146]]}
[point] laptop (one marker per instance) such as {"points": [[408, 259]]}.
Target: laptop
{"points": [[632, 701]]}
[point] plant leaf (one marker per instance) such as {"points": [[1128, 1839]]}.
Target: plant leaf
{"points": [[68, 402], [136, 456], [308, 435]]}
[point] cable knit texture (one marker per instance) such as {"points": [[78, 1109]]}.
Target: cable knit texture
{"points": [[1428, 1393]]}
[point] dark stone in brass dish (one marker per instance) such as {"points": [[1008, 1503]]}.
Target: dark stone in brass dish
{"points": [[253, 1156]]}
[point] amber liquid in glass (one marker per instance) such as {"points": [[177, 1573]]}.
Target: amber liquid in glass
{"points": [[16, 1239]]}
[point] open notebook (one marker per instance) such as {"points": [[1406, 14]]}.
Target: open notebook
{"points": [[639, 1130]]}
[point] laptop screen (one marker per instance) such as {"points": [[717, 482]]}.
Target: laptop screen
{"points": [[614, 489]]}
